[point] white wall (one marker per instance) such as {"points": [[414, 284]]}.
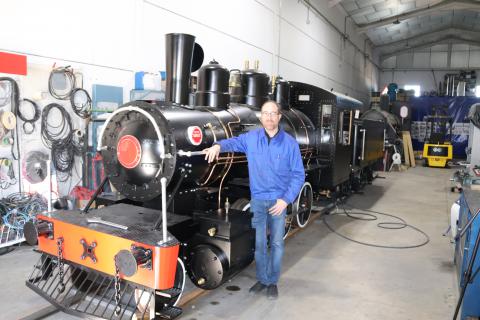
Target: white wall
{"points": [[109, 40], [423, 78], [128, 35], [415, 66]]}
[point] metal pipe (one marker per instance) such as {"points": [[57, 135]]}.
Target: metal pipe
{"points": [[49, 175], [447, 86], [355, 133], [95, 195], [384, 138], [172, 196], [363, 142], [163, 182], [179, 55]]}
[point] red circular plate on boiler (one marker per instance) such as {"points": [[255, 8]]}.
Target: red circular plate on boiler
{"points": [[129, 151]]}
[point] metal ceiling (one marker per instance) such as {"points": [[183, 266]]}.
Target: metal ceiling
{"points": [[399, 25]]}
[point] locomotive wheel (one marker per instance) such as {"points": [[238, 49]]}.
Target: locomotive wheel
{"points": [[288, 225], [179, 283], [242, 204], [303, 205], [143, 298]]}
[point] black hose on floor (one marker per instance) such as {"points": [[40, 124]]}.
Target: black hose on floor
{"points": [[369, 215]]}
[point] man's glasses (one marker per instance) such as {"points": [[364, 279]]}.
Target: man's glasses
{"points": [[269, 114]]}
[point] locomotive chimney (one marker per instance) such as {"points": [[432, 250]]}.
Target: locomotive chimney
{"points": [[281, 92], [179, 54]]}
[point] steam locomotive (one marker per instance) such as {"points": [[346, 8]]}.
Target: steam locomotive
{"points": [[177, 214]]}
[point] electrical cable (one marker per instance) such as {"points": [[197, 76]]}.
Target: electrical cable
{"points": [[60, 139], [20, 207], [29, 121], [82, 109], [61, 133], [69, 75], [370, 216]]}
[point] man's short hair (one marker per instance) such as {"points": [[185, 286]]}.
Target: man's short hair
{"points": [[279, 107]]}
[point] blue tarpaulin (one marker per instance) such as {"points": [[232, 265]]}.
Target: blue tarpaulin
{"points": [[458, 108]]}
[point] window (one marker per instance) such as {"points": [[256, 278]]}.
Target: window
{"points": [[477, 91], [326, 125], [345, 127], [415, 88]]}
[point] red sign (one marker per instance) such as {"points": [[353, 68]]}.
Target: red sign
{"points": [[129, 151], [195, 135], [13, 63]]}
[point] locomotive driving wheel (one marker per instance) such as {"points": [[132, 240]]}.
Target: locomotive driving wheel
{"points": [[288, 225], [243, 204], [145, 303], [302, 206]]}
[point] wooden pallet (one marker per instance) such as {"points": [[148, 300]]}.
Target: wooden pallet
{"points": [[408, 153]]}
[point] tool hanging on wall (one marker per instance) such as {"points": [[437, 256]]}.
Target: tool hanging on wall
{"points": [[14, 105], [34, 167], [5, 92], [8, 120], [7, 174], [29, 121]]}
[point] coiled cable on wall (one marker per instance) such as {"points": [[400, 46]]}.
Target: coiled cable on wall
{"points": [[81, 106], [69, 77], [59, 138], [61, 133], [29, 121]]}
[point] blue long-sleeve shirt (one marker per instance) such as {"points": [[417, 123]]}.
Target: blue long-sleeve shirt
{"points": [[275, 168]]}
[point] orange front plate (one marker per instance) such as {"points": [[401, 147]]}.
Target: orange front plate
{"points": [[164, 259]]}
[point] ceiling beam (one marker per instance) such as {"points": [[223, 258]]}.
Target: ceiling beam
{"points": [[453, 31], [444, 5], [444, 40], [333, 3]]}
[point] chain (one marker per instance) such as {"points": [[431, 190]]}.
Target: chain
{"points": [[117, 290], [61, 285]]}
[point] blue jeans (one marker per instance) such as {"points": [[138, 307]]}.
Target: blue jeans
{"points": [[268, 264]]}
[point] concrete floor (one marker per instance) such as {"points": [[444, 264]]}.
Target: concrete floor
{"points": [[325, 276]]}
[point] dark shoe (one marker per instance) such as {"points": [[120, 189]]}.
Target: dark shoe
{"points": [[272, 292], [256, 288]]}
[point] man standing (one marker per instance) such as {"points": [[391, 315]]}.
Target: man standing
{"points": [[276, 176]]}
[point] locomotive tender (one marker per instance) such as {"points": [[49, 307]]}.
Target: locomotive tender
{"points": [[130, 258]]}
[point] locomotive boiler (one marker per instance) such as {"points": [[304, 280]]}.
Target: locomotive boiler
{"points": [[116, 261]]}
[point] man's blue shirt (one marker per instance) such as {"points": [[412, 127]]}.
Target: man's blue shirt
{"points": [[275, 169]]}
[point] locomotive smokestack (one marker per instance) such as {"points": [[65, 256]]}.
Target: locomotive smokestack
{"points": [[179, 53]]}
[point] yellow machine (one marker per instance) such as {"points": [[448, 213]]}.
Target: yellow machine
{"points": [[437, 155], [438, 150]]}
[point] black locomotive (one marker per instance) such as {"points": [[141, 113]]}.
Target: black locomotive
{"points": [[152, 153]]}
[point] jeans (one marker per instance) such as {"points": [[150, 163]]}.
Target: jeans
{"points": [[268, 264]]}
